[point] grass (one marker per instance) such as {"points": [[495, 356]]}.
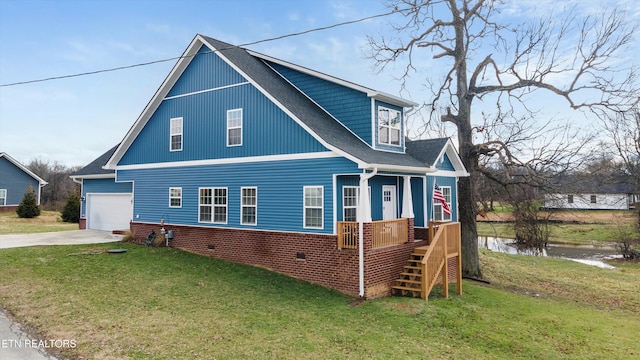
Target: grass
{"points": [[48, 221], [579, 227], [579, 234], [165, 303]]}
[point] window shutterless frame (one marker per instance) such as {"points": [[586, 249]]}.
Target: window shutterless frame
{"points": [[175, 197], [249, 206], [313, 207], [175, 134], [234, 127]]}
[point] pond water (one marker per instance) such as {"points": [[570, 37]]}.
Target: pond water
{"points": [[586, 254]]}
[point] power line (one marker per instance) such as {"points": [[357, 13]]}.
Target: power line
{"points": [[180, 57]]}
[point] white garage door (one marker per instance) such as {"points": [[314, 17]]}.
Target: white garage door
{"points": [[109, 211]]}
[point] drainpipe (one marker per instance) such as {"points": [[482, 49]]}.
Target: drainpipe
{"points": [[364, 215]]}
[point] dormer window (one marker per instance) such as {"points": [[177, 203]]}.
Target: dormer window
{"points": [[389, 125]]}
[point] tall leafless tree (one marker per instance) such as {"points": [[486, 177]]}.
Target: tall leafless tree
{"points": [[622, 133], [572, 57]]}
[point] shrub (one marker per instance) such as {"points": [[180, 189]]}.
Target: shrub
{"points": [[28, 207], [71, 211]]}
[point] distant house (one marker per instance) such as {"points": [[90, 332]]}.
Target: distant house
{"points": [[578, 193], [252, 159], [104, 204], [15, 179]]}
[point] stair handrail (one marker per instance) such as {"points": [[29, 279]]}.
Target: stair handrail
{"points": [[435, 261]]}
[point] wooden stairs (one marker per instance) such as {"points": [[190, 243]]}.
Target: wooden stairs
{"points": [[410, 281]]}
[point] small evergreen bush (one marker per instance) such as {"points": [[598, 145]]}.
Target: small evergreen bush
{"points": [[28, 207], [71, 211]]}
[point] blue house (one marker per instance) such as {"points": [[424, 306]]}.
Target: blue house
{"points": [[15, 179], [252, 159]]}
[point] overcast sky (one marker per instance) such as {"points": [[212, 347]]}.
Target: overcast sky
{"points": [[74, 120]]}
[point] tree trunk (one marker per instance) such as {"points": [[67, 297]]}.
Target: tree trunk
{"points": [[467, 216]]}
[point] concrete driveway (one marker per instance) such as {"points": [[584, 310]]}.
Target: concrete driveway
{"points": [[72, 237]]}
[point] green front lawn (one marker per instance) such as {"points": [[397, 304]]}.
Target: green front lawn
{"points": [[169, 304], [48, 221]]}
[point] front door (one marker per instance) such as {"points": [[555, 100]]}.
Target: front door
{"points": [[388, 202]]}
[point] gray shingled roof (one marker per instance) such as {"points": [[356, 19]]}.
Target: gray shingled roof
{"points": [[314, 117], [95, 167], [581, 184], [426, 151]]}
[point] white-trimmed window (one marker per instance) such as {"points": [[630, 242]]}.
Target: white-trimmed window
{"points": [[175, 197], [175, 137], [313, 207], [3, 197], [212, 205], [439, 214], [234, 127], [350, 203], [389, 126], [249, 206]]}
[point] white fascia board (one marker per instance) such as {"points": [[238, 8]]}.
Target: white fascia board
{"points": [[155, 101], [391, 99], [23, 168], [448, 173], [388, 98], [398, 168], [226, 161], [95, 176]]}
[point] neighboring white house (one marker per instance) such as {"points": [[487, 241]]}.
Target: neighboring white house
{"points": [[587, 195]]}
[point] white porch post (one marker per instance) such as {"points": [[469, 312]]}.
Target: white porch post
{"points": [[363, 215], [407, 200]]}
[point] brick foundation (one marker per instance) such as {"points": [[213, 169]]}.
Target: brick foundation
{"points": [[8, 208], [82, 225], [311, 257], [322, 262]]}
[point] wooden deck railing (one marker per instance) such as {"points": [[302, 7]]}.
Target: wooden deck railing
{"points": [[444, 244], [389, 232], [384, 233], [347, 235]]}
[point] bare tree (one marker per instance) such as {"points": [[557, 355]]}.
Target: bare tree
{"points": [[622, 131], [59, 186], [571, 57]]}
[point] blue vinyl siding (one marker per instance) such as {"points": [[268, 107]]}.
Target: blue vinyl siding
{"points": [[280, 192], [418, 200], [445, 164], [16, 182], [102, 186], [442, 181], [267, 130], [375, 185], [217, 73], [351, 107], [387, 147]]}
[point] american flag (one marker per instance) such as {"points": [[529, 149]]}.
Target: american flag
{"points": [[438, 196]]}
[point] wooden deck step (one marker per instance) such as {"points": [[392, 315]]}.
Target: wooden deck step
{"points": [[421, 250], [413, 267], [410, 274], [403, 291], [407, 281]]}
